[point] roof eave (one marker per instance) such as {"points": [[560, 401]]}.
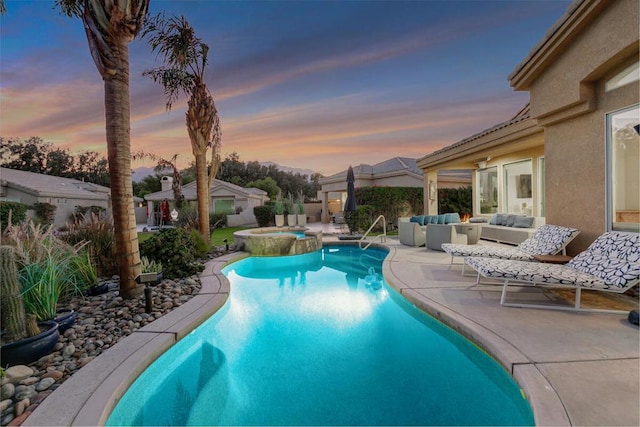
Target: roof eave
{"points": [[578, 15]]}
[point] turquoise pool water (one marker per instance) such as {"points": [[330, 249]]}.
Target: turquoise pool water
{"points": [[319, 339]]}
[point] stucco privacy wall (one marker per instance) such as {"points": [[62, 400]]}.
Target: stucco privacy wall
{"points": [[566, 78]]}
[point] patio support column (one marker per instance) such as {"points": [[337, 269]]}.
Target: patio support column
{"points": [[325, 217], [150, 221], [431, 192]]}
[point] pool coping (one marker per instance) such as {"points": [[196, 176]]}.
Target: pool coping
{"points": [[89, 396]]}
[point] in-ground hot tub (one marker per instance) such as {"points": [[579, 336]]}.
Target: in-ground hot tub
{"points": [[276, 241]]}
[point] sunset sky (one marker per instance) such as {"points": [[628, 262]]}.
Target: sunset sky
{"points": [[316, 84]]}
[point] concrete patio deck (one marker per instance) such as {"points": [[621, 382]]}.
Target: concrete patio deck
{"points": [[575, 368]]}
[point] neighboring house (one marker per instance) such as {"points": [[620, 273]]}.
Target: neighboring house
{"points": [[225, 198], [395, 172], [575, 148], [64, 193]]}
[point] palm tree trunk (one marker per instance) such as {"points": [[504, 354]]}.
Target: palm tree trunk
{"points": [[202, 189], [117, 112]]}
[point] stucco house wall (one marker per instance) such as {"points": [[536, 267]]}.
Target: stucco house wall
{"points": [[565, 77]]}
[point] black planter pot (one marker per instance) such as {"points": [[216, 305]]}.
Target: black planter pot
{"points": [[65, 318], [31, 349], [102, 288]]}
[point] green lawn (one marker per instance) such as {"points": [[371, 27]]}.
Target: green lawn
{"points": [[217, 236]]}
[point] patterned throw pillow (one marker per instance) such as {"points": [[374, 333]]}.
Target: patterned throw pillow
{"points": [[510, 220]]}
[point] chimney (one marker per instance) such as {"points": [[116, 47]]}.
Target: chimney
{"points": [[166, 182]]}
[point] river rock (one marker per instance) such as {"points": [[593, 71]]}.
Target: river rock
{"points": [[7, 391], [17, 373]]}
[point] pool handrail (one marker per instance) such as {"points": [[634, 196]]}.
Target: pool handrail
{"points": [[383, 236]]}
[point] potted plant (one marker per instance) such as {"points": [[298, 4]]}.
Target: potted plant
{"points": [[302, 217], [278, 207], [24, 340], [289, 208]]}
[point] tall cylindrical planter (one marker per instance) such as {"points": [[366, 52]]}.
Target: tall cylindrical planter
{"points": [[302, 220], [291, 220], [279, 220]]}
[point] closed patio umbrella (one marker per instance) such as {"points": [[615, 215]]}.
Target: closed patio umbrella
{"points": [[350, 204]]}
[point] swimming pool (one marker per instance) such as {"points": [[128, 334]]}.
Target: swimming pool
{"points": [[319, 339]]}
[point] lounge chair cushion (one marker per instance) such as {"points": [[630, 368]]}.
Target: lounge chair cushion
{"points": [[548, 240], [534, 272], [611, 270], [502, 252]]}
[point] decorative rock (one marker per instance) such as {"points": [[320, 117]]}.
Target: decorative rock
{"points": [[5, 404], [17, 421], [7, 391], [68, 351], [89, 321], [20, 407], [6, 419], [18, 372], [29, 381], [56, 375], [84, 361], [44, 384], [25, 394]]}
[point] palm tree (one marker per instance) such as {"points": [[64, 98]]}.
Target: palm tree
{"points": [[110, 27], [185, 56]]}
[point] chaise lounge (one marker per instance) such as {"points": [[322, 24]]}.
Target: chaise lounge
{"points": [[610, 264], [547, 240]]}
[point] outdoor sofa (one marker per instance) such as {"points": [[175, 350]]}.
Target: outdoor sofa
{"points": [[511, 229], [610, 264]]}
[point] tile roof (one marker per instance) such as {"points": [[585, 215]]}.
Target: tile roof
{"points": [[387, 166], [52, 186]]}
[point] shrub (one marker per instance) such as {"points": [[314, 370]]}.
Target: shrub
{"points": [[188, 217], [81, 212], [18, 213], [45, 212], [455, 200], [217, 220], [202, 248], [264, 215], [150, 266], [176, 249], [49, 269], [97, 230]]}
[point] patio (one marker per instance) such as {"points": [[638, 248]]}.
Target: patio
{"points": [[575, 368]]}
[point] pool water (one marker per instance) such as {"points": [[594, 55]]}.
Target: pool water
{"points": [[320, 339]]}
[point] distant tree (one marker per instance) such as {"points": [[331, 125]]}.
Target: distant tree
{"points": [[26, 155], [91, 167], [185, 56], [267, 184], [148, 184]]}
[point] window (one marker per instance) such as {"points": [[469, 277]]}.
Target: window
{"points": [[488, 190], [623, 175], [224, 206], [518, 191]]}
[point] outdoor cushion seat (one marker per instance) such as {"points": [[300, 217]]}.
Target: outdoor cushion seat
{"points": [[547, 240], [611, 264]]}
